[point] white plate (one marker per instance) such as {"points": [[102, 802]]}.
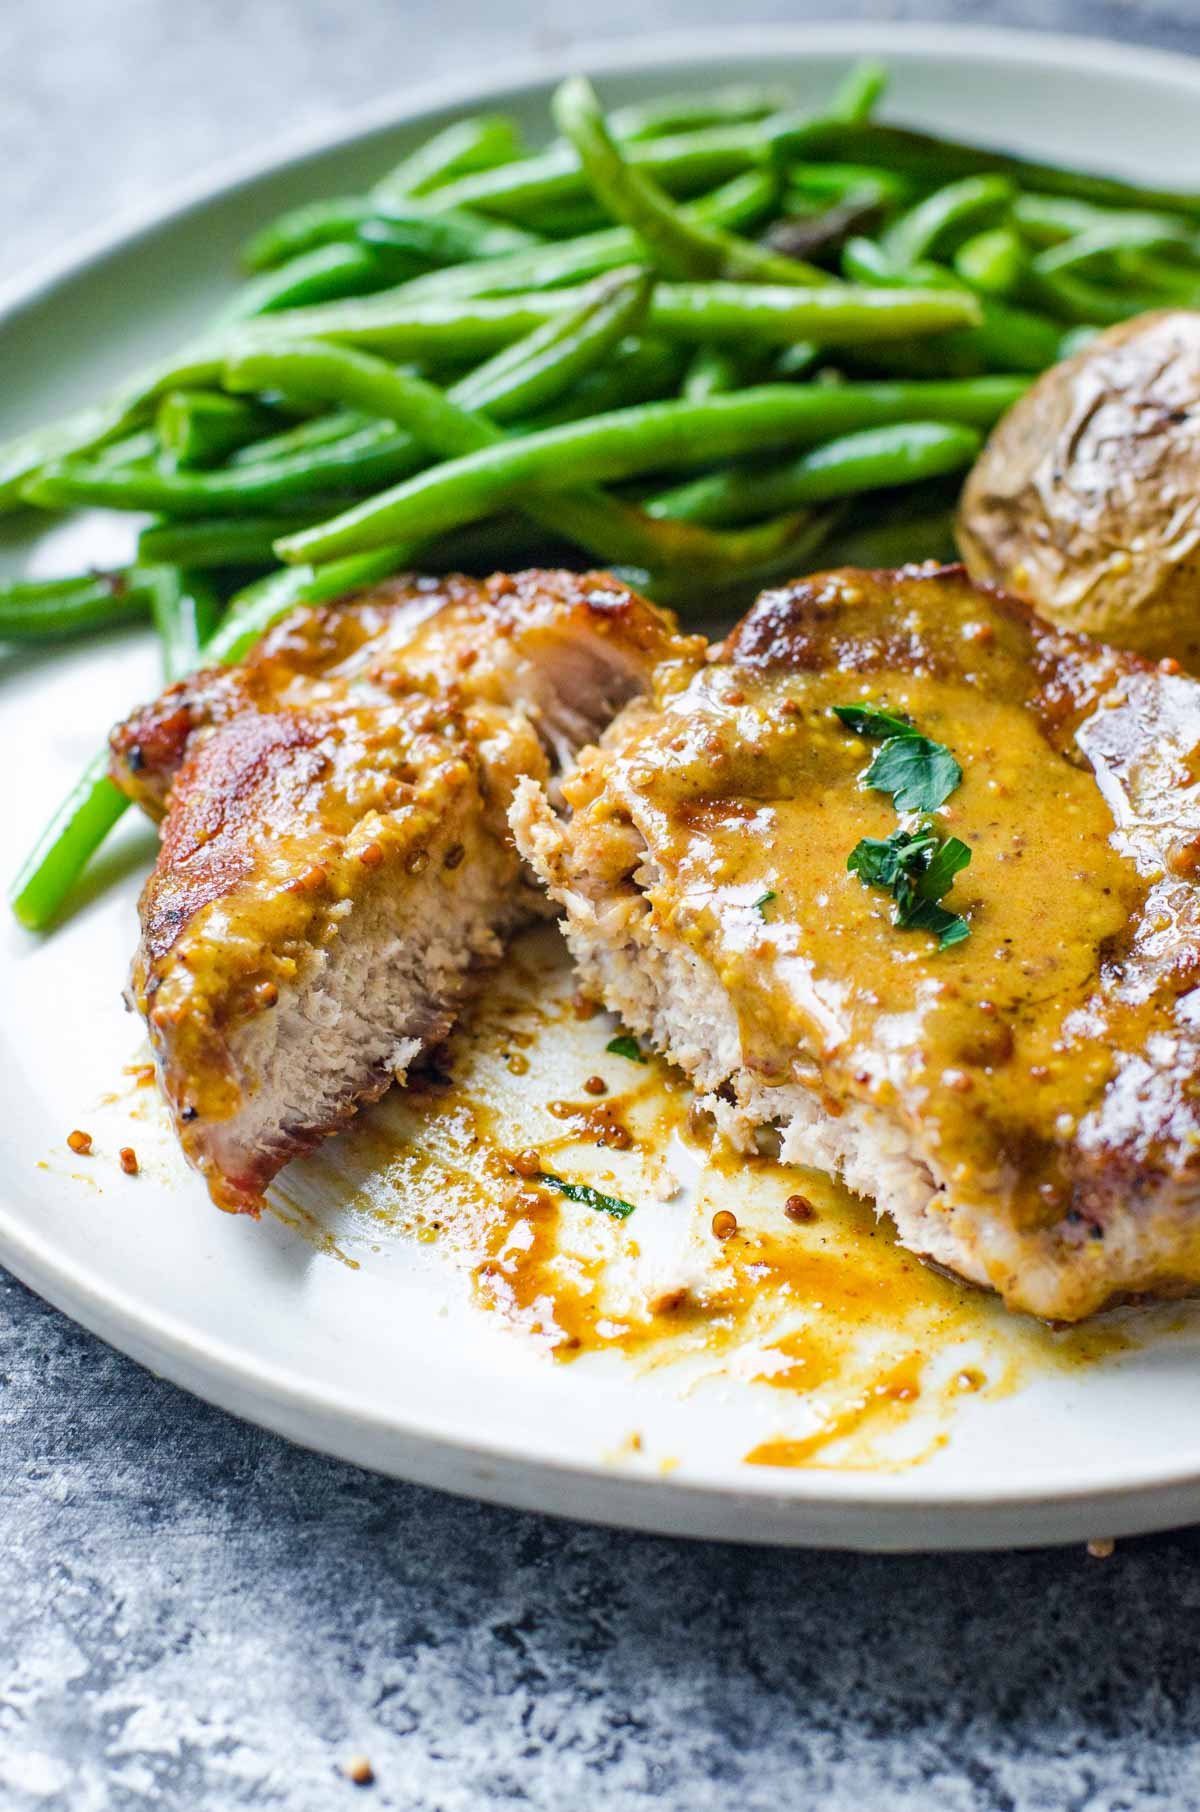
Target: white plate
{"points": [[392, 1362]]}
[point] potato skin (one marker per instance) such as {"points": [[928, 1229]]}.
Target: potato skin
{"points": [[1086, 498]]}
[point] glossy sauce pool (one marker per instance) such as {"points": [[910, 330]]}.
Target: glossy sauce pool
{"points": [[863, 1354]]}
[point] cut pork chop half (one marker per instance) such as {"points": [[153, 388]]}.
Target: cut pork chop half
{"points": [[336, 868], [1024, 1103]]}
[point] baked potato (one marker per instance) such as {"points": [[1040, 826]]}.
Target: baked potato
{"points": [[1086, 498]]}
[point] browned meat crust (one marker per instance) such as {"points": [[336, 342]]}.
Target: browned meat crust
{"points": [[336, 868]]}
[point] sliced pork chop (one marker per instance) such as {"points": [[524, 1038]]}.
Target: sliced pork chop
{"points": [[336, 868], [1024, 1103]]}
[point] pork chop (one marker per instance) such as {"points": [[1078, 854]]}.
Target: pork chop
{"points": [[1025, 1101], [336, 869]]}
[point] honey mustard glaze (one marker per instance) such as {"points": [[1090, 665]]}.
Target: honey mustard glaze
{"points": [[859, 1355], [751, 804]]}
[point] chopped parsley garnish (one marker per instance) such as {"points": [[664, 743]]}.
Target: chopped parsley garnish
{"points": [[591, 1198], [869, 720], [762, 902], [625, 1045], [917, 868], [918, 773]]}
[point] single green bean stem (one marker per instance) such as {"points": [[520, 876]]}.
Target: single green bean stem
{"points": [[323, 275], [186, 611], [74, 833], [201, 427], [217, 541], [678, 245], [1048, 219], [839, 315], [373, 456], [33, 610], [992, 261], [932, 159], [691, 113], [943, 218], [875, 459], [317, 431], [467, 145], [856, 96], [624, 444]]}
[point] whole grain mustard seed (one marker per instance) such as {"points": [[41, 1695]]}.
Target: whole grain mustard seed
{"points": [[527, 1163], [359, 1770], [80, 1142], [724, 1224], [127, 1157], [1101, 1547], [596, 1085], [799, 1208]]}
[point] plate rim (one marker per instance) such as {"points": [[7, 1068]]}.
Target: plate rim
{"points": [[230, 1372]]}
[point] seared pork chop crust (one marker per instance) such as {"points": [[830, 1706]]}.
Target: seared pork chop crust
{"points": [[1026, 1104], [336, 868]]}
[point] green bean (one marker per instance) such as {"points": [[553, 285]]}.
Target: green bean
{"points": [[430, 231], [1049, 219], [623, 444], [1074, 298], [1148, 272], [991, 261], [325, 274], [186, 611], [94, 427], [690, 113], [713, 369], [871, 460], [318, 431], [738, 203], [373, 456], [1101, 241], [683, 163], [536, 371], [200, 427], [459, 149], [131, 449], [771, 315], [604, 526], [679, 247], [638, 371], [823, 185], [75, 832], [934, 160], [47, 609], [1006, 338], [895, 540], [947, 216], [216, 541], [856, 96]]}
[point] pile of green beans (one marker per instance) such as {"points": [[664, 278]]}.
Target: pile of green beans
{"points": [[702, 339]]}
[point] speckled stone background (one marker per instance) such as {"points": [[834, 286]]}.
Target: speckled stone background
{"points": [[195, 1615]]}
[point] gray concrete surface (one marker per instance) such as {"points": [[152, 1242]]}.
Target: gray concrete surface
{"points": [[196, 1616]]}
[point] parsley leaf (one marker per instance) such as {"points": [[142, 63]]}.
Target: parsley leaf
{"points": [[763, 901], [869, 720], [916, 868], [591, 1198], [919, 774], [625, 1045]]}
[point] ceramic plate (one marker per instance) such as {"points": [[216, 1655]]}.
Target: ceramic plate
{"points": [[403, 1305]]}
